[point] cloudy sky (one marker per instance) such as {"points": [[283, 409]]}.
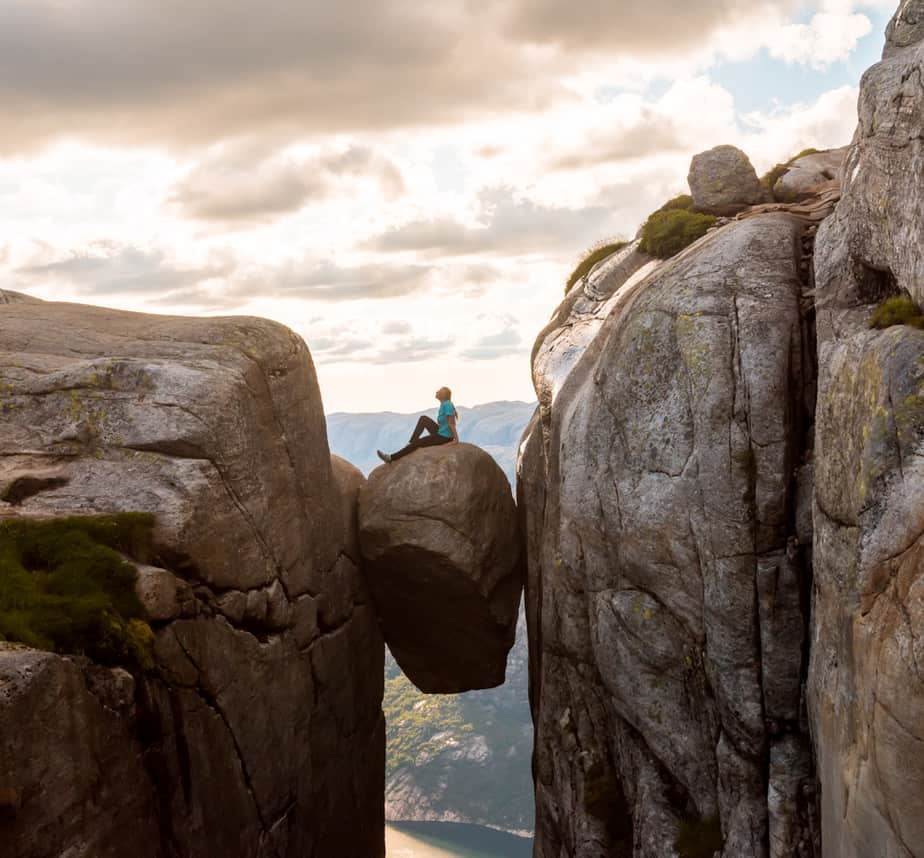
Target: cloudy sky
{"points": [[405, 184]]}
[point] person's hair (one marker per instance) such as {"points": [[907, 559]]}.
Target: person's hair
{"points": [[445, 390]]}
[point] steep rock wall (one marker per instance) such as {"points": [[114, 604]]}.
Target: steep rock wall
{"points": [[259, 732], [867, 670], [666, 583]]}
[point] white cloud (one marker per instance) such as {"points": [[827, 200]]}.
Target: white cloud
{"points": [[405, 185], [825, 39], [826, 123], [236, 184]]}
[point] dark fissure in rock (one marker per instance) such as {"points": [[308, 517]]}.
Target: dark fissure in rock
{"points": [[874, 285], [809, 791]]}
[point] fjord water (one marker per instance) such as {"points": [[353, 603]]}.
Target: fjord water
{"points": [[451, 840]]}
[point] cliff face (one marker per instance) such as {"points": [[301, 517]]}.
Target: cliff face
{"points": [[666, 572], [724, 518], [867, 676], [259, 730]]}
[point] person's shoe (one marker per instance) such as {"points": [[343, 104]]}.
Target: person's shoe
{"points": [[383, 456]]}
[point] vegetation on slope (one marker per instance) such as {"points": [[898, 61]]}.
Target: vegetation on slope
{"points": [[772, 176], [462, 757], [65, 586], [672, 228], [897, 310], [417, 724], [596, 254]]}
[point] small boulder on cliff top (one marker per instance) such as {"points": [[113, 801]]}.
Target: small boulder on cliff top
{"points": [[723, 181], [439, 537]]}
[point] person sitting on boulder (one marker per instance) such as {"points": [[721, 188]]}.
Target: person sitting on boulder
{"points": [[440, 431]]}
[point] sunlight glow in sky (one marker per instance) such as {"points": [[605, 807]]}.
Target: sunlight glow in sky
{"points": [[406, 185]]}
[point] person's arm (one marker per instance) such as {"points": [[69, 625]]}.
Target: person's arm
{"points": [[451, 419]]}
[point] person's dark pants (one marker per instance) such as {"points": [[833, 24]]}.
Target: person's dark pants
{"points": [[418, 439]]}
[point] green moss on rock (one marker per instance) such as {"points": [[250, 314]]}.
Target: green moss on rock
{"points": [[897, 310], [668, 231], [775, 173], [65, 586]]}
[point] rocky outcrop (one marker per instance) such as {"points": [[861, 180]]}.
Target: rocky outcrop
{"points": [[723, 181], [441, 552], [259, 731], [867, 667], [666, 580], [71, 767], [810, 175]]}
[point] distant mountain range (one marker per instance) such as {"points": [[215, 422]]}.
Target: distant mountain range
{"points": [[464, 757], [496, 427]]}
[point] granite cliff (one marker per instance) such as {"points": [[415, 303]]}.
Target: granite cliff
{"points": [[866, 683], [257, 729], [722, 509]]}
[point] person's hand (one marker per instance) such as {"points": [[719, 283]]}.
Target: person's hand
{"points": [[454, 441]]}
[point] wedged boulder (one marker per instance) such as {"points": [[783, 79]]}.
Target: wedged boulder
{"points": [[260, 725], [866, 682], [810, 174], [723, 181], [658, 494], [439, 537]]}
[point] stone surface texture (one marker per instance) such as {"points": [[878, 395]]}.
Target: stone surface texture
{"points": [[810, 174], [441, 552], [259, 732], [867, 668], [723, 181], [70, 762], [666, 582]]}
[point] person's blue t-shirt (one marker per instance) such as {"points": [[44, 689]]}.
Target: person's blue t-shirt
{"points": [[447, 410]]}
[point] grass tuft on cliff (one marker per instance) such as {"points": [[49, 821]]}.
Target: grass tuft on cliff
{"points": [[897, 310], [699, 837], [65, 587], [669, 230], [775, 173], [683, 202], [596, 254]]}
